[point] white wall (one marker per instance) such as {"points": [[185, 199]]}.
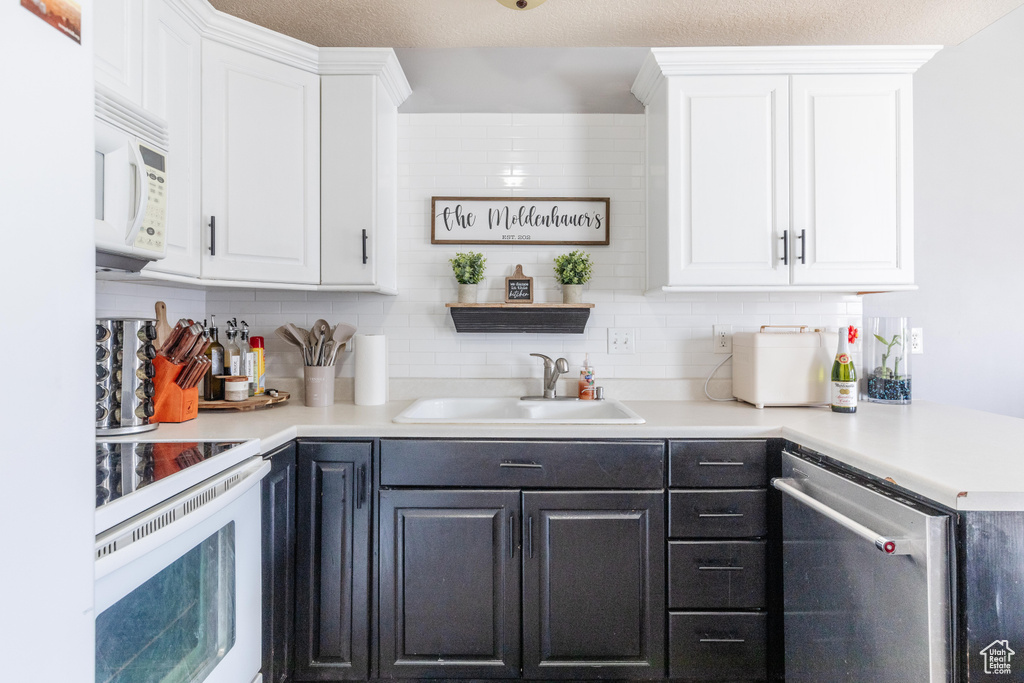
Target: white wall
{"points": [[46, 339], [529, 155], [969, 196]]}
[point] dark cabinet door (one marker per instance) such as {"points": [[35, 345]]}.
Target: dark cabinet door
{"points": [[332, 578], [594, 585], [449, 584], [279, 565]]}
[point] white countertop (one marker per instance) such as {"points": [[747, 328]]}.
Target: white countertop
{"points": [[963, 459]]}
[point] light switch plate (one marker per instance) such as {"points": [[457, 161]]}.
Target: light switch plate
{"points": [[621, 340]]}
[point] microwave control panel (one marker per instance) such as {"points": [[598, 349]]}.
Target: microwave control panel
{"points": [[152, 232]]}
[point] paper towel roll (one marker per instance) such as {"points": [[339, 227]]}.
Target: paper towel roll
{"points": [[371, 383]]}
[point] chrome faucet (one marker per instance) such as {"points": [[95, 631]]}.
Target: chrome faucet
{"points": [[552, 370]]}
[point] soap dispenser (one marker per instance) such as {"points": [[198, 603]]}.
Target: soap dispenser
{"points": [[586, 386]]}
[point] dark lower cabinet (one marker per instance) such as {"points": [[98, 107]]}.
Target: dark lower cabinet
{"points": [[279, 565], [332, 636], [449, 584]]}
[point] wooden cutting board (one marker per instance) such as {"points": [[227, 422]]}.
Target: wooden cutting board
{"points": [[251, 403], [163, 329]]}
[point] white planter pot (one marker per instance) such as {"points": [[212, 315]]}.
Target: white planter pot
{"points": [[572, 294], [468, 293]]}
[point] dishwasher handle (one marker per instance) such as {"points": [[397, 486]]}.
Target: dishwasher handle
{"points": [[889, 546]]}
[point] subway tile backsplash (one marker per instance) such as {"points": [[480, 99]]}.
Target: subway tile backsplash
{"points": [[585, 155]]}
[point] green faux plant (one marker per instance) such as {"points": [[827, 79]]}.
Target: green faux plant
{"points": [[468, 267], [574, 268]]}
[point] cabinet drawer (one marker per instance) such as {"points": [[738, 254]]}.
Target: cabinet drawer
{"points": [[523, 464], [720, 646], [717, 464], [716, 574], [717, 514]]}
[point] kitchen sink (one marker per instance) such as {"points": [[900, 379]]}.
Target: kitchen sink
{"points": [[517, 411]]}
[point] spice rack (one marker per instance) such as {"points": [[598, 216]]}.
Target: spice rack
{"points": [[504, 318]]}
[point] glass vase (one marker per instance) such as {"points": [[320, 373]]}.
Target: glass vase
{"points": [[887, 360]]}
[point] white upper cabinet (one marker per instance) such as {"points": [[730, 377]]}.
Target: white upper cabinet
{"points": [[725, 204], [260, 168], [359, 171], [853, 179], [171, 89], [773, 168], [117, 47]]}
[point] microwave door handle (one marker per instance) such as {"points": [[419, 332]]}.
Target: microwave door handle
{"points": [[140, 194]]}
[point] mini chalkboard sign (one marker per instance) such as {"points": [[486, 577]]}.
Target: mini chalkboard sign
{"points": [[518, 288]]}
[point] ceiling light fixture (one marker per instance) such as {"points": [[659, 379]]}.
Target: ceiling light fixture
{"points": [[521, 4]]}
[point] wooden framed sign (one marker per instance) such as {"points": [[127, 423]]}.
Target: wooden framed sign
{"points": [[518, 288], [515, 220]]}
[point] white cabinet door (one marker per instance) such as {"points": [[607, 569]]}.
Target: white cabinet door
{"points": [[261, 168], [852, 179], [359, 174], [117, 47], [171, 89], [728, 180]]}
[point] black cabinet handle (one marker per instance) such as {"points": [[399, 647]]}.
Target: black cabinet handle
{"points": [[361, 483], [512, 535], [213, 235], [803, 247], [703, 515], [720, 463], [365, 236], [525, 465], [722, 640], [529, 532], [785, 247]]}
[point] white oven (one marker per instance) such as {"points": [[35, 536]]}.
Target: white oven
{"points": [[178, 595]]}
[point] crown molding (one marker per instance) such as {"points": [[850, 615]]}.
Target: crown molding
{"points": [[829, 59], [367, 61]]}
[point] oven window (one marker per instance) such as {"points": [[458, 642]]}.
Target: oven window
{"points": [[176, 626]]}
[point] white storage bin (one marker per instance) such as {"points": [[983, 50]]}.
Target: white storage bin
{"points": [[789, 366]]}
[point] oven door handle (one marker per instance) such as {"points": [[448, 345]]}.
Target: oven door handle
{"points": [[147, 531], [888, 546]]}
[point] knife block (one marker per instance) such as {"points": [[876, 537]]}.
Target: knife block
{"points": [[171, 402]]}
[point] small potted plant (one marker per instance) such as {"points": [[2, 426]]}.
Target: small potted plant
{"points": [[573, 270], [469, 271], [888, 376]]}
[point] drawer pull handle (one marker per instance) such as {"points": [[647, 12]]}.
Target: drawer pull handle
{"points": [[703, 515], [512, 536], [722, 640], [720, 463], [720, 569], [524, 465]]}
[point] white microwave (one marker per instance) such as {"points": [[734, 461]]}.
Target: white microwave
{"points": [[131, 180]]}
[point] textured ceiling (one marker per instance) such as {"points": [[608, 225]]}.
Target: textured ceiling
{"points": [[621, 23]]}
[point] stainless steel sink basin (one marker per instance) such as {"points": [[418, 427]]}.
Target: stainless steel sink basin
{"points": [[516, 411]]}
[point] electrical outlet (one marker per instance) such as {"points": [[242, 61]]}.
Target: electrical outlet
{"points": [[916, 340], [621, 340], [722, 338]]}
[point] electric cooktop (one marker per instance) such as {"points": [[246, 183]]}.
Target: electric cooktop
{"points": [[132, 476]]}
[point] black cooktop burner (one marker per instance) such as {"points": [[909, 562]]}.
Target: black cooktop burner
{"points": [[123, 467]]}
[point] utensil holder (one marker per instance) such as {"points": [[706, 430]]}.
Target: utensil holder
{"points": [[171, 402], [318, 381]]}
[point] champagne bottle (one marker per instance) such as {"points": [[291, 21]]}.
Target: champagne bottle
{"points": [[844, 375]]}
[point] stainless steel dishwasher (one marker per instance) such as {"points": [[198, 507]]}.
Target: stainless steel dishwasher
{"points": [[867, 581]]}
